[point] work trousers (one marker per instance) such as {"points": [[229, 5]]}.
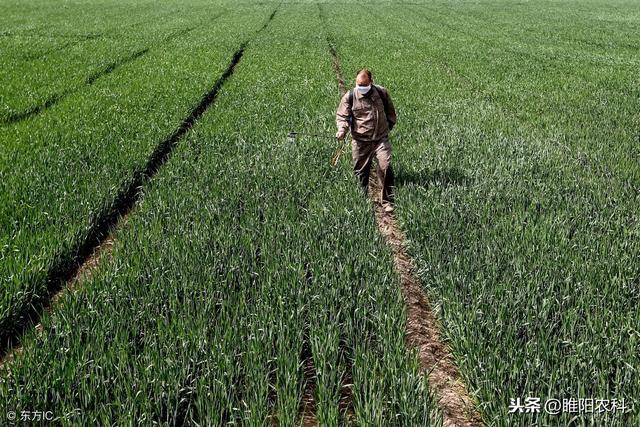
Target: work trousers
{"points": [[362, 154]]}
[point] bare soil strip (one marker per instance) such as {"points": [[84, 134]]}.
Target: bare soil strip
{"points": [[423, 330], [72, 270], [345, 404], [307, 410]]}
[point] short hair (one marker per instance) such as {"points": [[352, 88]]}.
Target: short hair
{"points": [[364, 70]]}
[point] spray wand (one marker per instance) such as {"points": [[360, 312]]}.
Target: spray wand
{"points": [[336, 155]]}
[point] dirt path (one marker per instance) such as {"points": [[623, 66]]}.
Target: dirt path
{"points": [[423, 329]]}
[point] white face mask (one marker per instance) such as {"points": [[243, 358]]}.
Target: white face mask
{"points": [[363, 89]]}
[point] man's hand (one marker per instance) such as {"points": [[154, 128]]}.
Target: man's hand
{"points": [[341, 134]]}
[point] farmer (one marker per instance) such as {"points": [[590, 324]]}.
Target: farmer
{"points": [[367, 111]]}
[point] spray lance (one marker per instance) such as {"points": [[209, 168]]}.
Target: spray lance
{"points": [[293, 134], [341, 149], [336, 155]]}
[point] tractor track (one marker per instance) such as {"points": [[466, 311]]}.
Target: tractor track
{"points": [[77, 39], [307, 408], [93, 77], [423, 329], [307, 413], [70, 271], [73, 42]]}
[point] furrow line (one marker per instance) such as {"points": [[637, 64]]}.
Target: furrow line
{"points": [[423, 329], [334, 54], [68, 272], [91, 79], [61, 47], [345, 403], [307, 409]]}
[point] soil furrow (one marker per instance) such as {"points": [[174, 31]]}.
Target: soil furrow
{"points": [[307, 408], [423, 330], [92, 78], [70, 269]]}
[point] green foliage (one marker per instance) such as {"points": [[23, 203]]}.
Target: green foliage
{"points": [[60, 169], [516, 159], [517, 173], [242, 242]]}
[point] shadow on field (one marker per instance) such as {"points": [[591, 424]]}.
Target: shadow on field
{"points": [[427, 178]]}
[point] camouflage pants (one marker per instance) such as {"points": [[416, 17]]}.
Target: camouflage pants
{"points": [[362, 154]]}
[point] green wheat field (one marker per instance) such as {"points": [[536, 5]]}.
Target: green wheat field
{"points": [[244, 254]]}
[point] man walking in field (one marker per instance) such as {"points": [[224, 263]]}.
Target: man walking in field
{"points": [[367, 111]]}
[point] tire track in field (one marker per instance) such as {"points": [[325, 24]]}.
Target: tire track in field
{"points": [[423, 329], [345, 402], [89, 80], [93, 77], [307, 408], [71, 271], [307, 412], [77, 39]]}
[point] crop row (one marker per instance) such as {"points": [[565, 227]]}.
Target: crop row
{"points": [[518, 190], [62, 170], [249, 259], [37, 75]]}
